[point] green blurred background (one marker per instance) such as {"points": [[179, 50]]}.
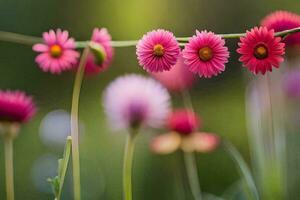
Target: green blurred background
{"points": [[219, 101]]}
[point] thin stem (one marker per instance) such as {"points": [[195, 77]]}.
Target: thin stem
{"points": [[18, 38], [127, 167], [9, 167], [30, 40], [74, 124], [243, 169], [192, 173]]}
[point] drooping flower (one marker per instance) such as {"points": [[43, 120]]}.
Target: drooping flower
{"points": [[206, 54], [184, 135], [96, 64], [57, 53], [158, 51], [260, 50], [283, 20], [16, 106], [291, 83], [133, 100], [178, 78]]}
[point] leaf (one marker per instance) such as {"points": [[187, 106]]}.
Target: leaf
{"points": [[58, 181]]}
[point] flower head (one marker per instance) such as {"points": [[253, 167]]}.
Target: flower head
{"points": [[283, 20], [15, 106], [260, 50], [157, 51], [183, 125], [178, 78], [134, 100], [291, 83], [183, 121], [206, 54], [95, 65], [57, 53]]}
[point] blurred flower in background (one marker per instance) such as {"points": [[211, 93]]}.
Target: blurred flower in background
{"points": [[291, 83], [283, 20], [178, 78], [55, 128], [133, 100], [183, 126]]}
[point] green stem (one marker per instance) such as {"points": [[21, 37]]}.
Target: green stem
{"points": [[243, 169], [30, 40], [127, 166], [192, 173], [9, 167], [74, 124], [18, 38]]}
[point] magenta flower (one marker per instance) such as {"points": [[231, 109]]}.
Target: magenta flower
{"points": [[206, 54], [183, 121], [283, 20], [260, 50], [183, 125], [134, 100], [157, 51], [103, 39], [15, 106], [57, 53], [178, 78], [291, 83]]}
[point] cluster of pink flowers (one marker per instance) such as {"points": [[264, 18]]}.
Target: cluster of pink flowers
{"points": [[58, 52], [205, 53], [158, 51]]}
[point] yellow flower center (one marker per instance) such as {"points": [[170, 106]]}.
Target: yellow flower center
{"points": [[55, 51], [158, 50], [261, 51], [205, 54]]}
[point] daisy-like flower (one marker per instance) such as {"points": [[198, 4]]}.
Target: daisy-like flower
{"points": [[57, 53], [206, 54], [16, 106], [260, 50], [158, 51], [291, 83], [281, 21], [184, 135], [178, 78], [133, 100], [96, 64]]}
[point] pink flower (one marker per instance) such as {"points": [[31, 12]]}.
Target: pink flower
{"points": [[183, 121], [178, 78], [157, 51], [57, 53], [206, 54], [283, 20], [103, 39], [183, 125], [15, 106], [260, 50], [133, 100]]}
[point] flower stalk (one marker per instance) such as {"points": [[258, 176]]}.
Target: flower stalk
{"points": [[9, 167], [127, 166], [192, 173], [74, 124], [31, 40]]}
